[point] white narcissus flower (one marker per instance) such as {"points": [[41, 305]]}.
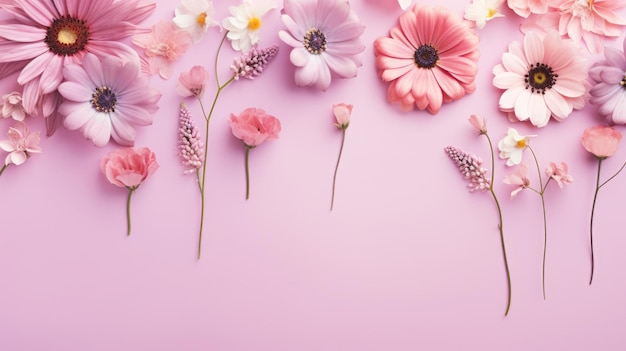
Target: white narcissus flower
{"points": [[195, 17], [512, 146], [481, 11], [244, 24]]}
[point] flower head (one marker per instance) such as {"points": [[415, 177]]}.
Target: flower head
{"points": [[481, 11], [525, 7], [601, 141], [192, 83], [326, 40], [342, 114], [195, 17], [430, 58], [559, 174], [12, 106], [252, 63], [542, 78], [512, 146], [107, 99], [129, 167], [189, 143], [164, 45], [470, 167], [244, 24], [609, 85], [21, 144], [519, 178], [480, 123], [254, 126]]}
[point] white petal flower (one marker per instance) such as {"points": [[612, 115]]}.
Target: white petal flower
{"points": [[512, 146], [404, 4], [481, 11], [244, 24], [195, 17]]}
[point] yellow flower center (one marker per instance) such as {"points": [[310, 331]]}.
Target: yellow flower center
{"points": [[491, 13], [521, 144], [201, 19], [67, 36], [539, 77], [254, 23]]}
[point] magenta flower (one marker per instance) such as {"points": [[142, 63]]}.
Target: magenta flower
{"points": [[253, 126], [609, 85], [190, 147], [342, 113], [326, 40], [518, 178], [429, 59], [164, 45], [43, 36], [129, 168], [107, 99], [252, 63], [21, 144], [193, 83], [12, 106]]}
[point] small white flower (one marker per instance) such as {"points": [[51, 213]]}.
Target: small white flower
{"points": [[481, 11], [512, 146], [404, 4], [195, 17], [12, 106], [244, 24]]}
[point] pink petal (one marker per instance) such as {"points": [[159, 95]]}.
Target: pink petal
{"points": [[343, 66], [76, 114], [539, 113], [533, 48], [557, 104], [73, 91], [393, 48], [522, 106], [98, 129]]}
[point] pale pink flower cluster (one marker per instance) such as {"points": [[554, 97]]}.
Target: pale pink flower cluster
{"points": [[558, 172], [470, 167], [21, 144], [193, 82], [252, 63], [12, 106], [190, 147], [518, 177]]}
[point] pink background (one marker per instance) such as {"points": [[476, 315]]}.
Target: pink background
{"points": [[408, 260]]}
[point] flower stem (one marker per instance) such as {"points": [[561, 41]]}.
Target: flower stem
{"points": [[545, 224], [500, 226], [3, 168], [247, 172], [593, 208], [130, 195], [343, 139]]}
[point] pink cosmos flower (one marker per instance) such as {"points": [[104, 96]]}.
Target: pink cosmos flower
{"points": [[542, 78], [326, 40], [12, 106], [429, 58], [559, 174], [21, 144], [41, 37], [519, 178], [609, 85], [601, 141], [162, 47], [192, 83], [129, 168], [107, 99], [525, 7], [480, 123], [342, 114]]}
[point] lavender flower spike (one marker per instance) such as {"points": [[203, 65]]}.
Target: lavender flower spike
{"points": [[251, 64], [470, 167], [189, 143]]}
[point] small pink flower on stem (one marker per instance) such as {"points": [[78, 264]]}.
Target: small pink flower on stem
{"points": [[342, 113], [480, 123], [519, 178], [559, 174], [21, 144], [193, 83], [129, 168], [252, 63], [253, 126], [12, 106]]}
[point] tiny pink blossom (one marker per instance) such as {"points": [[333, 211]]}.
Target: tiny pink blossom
{"points": [[12, 106], [21, 144], [192, 83], [601, 141], [189, 143], [162, 47], [519, 178], [559, 174], [342, 114], [254, 126], [128, 167], [480, 123], [252, 63], [470, 167]]}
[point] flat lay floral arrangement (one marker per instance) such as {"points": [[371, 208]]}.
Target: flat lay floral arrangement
{"points": [[89, 68]]}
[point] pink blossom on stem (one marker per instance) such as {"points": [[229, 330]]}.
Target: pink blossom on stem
{"points": [[519, 178], [558, 172], [601, 141], [162, 47], [253, 126], [21, 144], [190, 146], [12, 106], [480, 123], [193, 82], [342, 114], [470, 167]]}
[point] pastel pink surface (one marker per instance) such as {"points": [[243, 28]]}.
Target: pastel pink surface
{"points": [[407, 260]]}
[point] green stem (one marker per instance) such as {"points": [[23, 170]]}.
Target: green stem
{"points": [[593, 208], [500, 226], [343, 139], [545, 224], [3, 168], [130, 195], [247, 172], [614, 175]]}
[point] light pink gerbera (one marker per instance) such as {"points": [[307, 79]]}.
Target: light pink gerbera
{"points": [[609, 85], [106, 99], [542, 78], [42, 36], [430, 58]]}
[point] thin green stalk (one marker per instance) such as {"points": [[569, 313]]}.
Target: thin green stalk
{"points": [[343, 139], [247, 172], [130, 195], [545, 224], [593, 208], [3, 168]]}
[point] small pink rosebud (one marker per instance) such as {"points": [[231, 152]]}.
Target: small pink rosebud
{"points": [[342, 114], [480, 123]]}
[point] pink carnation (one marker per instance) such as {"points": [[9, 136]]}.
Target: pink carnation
{"points": [[254, 126], [128, 167]]}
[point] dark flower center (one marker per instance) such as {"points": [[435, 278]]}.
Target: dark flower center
{"points": [[539, 78], [104, 100], [67, 36], [426, 56], [623, 82], [315, 41]]}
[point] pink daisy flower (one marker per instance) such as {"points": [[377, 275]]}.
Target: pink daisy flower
{"points": [[106, 99], [542, 78], [429, 58], [42, 36], [609, 85]]}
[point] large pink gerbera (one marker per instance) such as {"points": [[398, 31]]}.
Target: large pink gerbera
{"points": [[542, 78], [42, 36], [430, 58]]}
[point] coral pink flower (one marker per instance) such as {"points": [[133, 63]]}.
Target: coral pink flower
{"points": [[43, 36], [519, 178], [429, 58], [525, 7], [542, 78], [107, 99], [192, 83], [601, 141], [21, 144], [129, 168], [480, 123], [559, 174], [326, 40], [163, 46], [12, 106], [609, 85]]}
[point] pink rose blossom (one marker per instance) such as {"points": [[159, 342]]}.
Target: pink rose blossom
{"points": [[21, 144], [342, 114], [254, 126], [480, 123], [163, 46], [601, 141], [12, 106], [128, 167], [192, 83], [559, 174], [519, 178]]}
